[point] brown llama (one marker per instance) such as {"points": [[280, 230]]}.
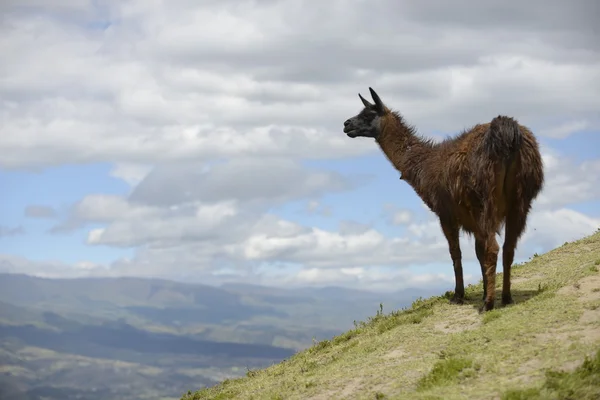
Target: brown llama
{"points": [[478, 181]]}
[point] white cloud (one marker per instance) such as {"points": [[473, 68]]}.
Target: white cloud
{"points": [[548, 229], [314, 207], [138, 225], [51, 268], [402, 217], [130, 173], [374, 278], [568, 182], [207, 110], [254, 180], [566, 129], [228, 231], [398, 216], [167, 84]]}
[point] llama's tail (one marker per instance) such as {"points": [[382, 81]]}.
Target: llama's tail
{"points": [[501, 143], [503, 139]]}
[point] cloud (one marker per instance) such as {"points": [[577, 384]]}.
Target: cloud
{"points": [[209, 111], [313, 207], [6, 231], [548, 229], [219, 241], [396, 216], [381, 279], [568, 182], [147, 84], [214, 221], [373, 278], [50, 269], [130, 173], [162, 227], [39, 211], [566, 129], [250, 180]]}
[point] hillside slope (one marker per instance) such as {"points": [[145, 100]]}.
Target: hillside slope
{"points": [[437, 350]]}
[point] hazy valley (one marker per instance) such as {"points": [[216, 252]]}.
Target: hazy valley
{"points": [[132, 338]]}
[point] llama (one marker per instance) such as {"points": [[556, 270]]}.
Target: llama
{"points": [[479, 181]]}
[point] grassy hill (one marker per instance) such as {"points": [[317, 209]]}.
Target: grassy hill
{"points": [[545, 346]]}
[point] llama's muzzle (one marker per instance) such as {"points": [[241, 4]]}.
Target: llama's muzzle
{"points": [[348, 128]]}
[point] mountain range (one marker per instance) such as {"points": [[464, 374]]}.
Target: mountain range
{"points": [[137, 338]]}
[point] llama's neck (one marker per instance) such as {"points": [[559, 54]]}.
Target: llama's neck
{"points": [[405, 150]]}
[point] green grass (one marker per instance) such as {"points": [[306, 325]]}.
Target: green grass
{"points": [[535, 348], [448, 371]]}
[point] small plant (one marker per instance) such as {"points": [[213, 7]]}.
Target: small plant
{"points": [[307, 366], [447, 371], [320, 345], [414, 315], [597, 262], [346, 336], [592, 307], [490, 316], [379, 396]]}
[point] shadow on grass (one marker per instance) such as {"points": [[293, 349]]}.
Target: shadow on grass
{"points": [[474, 298]]}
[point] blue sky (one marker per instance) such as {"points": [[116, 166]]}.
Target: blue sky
{"points": [[95, 112]]}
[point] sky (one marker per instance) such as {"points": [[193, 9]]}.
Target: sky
{"points": [[203, 142]]}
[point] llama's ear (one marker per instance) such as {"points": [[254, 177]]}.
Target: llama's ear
{"points": [[365, 102], [378, 103]]}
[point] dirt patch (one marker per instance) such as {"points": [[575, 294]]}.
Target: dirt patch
{"points": [[537, 365], [348, 389], [395, 354], [588, 335], [587, 289], [464, 319], [526, 369], [570, 366], [524, 279], [590, 316], [399, 356]]}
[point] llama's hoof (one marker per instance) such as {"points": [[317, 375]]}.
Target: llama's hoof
{"points": [[487, 306], [506, 300], [457, 299]]}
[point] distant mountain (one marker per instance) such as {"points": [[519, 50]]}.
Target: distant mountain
{"points": [[175, 304], [98, 338]]}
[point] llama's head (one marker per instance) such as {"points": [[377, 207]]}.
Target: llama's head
{"points": [[367, 123]]}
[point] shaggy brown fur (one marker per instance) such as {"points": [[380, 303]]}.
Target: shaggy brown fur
{"points": [[478, 181]]}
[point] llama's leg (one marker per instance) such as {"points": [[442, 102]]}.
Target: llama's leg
{"points": [[451, 232], [480, 251], [515, 225], [490, 259]]}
